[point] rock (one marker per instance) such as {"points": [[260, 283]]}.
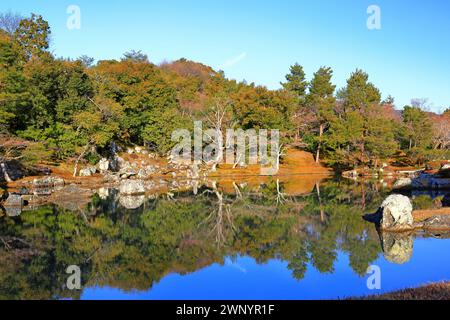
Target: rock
{"points": [[142, 174], [397, 247], [353, 174], [13, 200], [86, 172], [132, 187], [128, 174], [111, 178], [146, 172], [138, 149], [396, 213], [42, 191], [103, 165], [403, 183], [438, 222], [132, 202], [48, 181], [115, 163]]}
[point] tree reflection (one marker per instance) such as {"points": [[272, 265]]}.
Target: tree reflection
{"points": [[133, 249]]}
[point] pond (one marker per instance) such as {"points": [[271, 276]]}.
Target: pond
{"points": [[221, 240]]}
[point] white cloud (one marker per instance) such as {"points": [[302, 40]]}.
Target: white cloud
{"points": [[233, 61]]}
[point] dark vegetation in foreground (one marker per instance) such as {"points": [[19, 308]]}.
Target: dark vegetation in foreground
{"points": [[435, 291], [60, 110]]}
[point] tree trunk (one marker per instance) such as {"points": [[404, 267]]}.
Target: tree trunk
{"points": [[320, 144], [75, 169], [5, 172], [322, 212]]}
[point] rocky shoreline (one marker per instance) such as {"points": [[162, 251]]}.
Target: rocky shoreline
{"points": [[133, 173], [407, 178]]}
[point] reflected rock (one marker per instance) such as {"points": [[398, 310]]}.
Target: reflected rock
{"points": [[72, 197], [402, 183], [397, 247], [14, 200], [132, 187], [13, 211], [131, 202], [446, 200], [103, 193]]}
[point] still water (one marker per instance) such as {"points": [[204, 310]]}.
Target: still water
{"points": [[226, 241]]}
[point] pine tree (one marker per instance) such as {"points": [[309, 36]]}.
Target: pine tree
{"points": [[321, 101]]}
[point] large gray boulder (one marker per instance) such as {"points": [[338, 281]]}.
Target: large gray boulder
{"points": [[396, 213], [132, 187]]}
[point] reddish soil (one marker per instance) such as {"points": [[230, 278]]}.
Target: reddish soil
{"points": [[295, 162]]}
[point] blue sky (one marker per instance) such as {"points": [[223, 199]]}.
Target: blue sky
{"points": [[257, 40]]}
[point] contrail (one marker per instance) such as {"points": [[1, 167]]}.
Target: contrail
{"points": [[235, 60]]}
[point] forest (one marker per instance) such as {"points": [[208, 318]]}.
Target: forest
{"points": [[55, 110]]}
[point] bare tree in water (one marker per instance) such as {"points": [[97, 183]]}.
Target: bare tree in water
{"points": [[221, 217]]}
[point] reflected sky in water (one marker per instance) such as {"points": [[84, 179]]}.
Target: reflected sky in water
{"points": [[241, 241], [241, 278]]}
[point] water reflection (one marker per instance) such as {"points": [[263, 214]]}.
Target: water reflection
{"points": [[133, 242]]}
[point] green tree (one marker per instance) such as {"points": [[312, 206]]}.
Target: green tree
{"points": [[296, 81], [360, 132], [321, 102], [417, 129], [32, 36], [297, 85]]}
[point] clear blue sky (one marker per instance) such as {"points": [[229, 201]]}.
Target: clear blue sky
{"points": [[258, 40]]}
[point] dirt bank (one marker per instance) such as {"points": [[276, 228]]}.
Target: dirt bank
{"points": [[295, 162]]}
